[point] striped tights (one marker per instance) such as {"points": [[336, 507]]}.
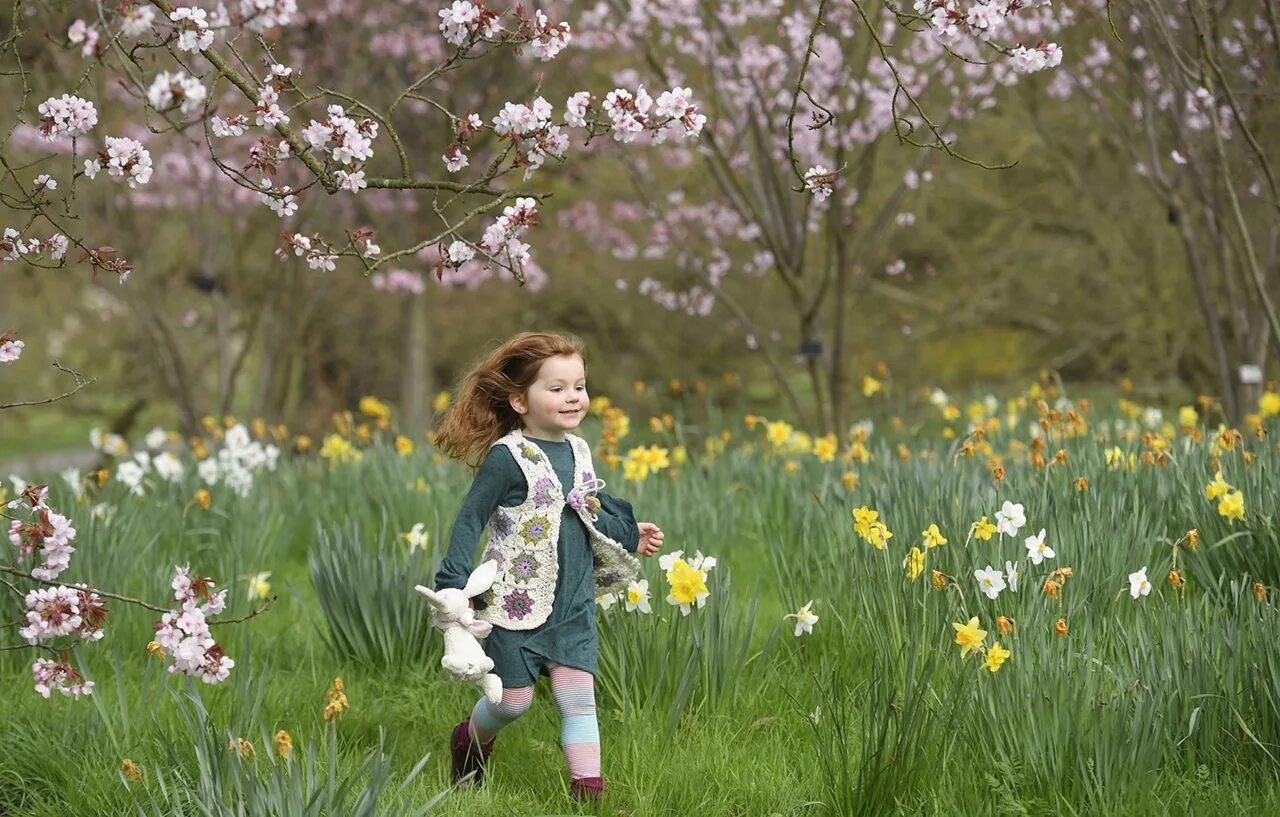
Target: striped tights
{"points": [[574, 694]]}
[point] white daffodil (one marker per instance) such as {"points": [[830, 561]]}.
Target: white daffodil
{"points": [[1138, 584], [1011, 576], [804, 619], [1037, 550], [638, 597], [666, 560], [990, 581], [1010, 518], [607, 600], [417, 537]]}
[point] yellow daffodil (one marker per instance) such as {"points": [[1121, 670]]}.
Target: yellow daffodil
{"points": [[1219, 487], [933, 537], [870, 386], [969, 636], [1232, 505], [374, 407], [996, 656], [1269, 404], [914, 563], [824, 448], [778, 433], [688, 586], [982, 529]]}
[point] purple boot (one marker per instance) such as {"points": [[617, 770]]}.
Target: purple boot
{"points": [[468, 755], [588, 789]]}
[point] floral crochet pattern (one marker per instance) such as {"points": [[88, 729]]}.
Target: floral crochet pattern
{"points": [[501, 525], [536, 529], [544, 492], [524, 539], [524, 566], [517, 604]]}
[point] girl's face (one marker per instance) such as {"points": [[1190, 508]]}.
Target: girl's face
{"points": [[557, 401]]}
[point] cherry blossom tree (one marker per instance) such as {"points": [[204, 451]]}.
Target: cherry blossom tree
{"points": [[1186, 92], [274, 122], [801, 190]]}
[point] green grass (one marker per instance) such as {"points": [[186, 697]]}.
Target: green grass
{"points": [[1165, 705]]}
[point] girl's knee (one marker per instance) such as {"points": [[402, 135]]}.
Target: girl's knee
{"points": [[515, 702]]}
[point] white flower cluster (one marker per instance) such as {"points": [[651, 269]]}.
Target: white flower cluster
{"points": [[464, 20], [54, 612], [538, 136], [133, 473], [84, 35], [124, 157], [820, 182], [317, 255], [193, 27], [502, 238], [349, 142], [66, 116], [548, 40], [1029, 60], [232, 126], [633, 113], [234, 463], [13, 247], [280, 199], [137, 20], [184, 634], [951, 21], [176, 89]]}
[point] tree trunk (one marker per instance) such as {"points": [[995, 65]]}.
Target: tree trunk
{"points": [[415, 374]]}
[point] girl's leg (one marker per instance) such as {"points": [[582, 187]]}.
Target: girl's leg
{"points": [[487, 721], [575, 695]]}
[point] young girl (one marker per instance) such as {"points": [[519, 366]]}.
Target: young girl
{"points": [[559, 542]]}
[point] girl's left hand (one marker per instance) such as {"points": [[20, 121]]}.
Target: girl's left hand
{"points": [[650, 538]]}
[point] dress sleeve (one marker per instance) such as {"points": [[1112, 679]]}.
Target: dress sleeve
{"points": [[617, 520], [497, 481]]}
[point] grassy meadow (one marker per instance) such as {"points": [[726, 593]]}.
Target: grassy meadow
{"points": [[1163, 704]]}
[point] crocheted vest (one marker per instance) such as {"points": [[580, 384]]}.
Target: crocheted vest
{"points": [[524, 539]]}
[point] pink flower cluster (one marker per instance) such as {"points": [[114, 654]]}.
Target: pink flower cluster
{"points": [[261, 15], [502, 238], [10, 348], [349, 142], [50, 675], [124, 157], [66, 116], [47, 531], [400, 281], [54, 612], [630, 113], [184, 634]]}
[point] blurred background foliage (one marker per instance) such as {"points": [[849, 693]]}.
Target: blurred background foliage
{"points": [[1066, 261]]}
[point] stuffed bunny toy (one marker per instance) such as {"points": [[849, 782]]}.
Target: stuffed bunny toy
{"points": [[464, 658]]}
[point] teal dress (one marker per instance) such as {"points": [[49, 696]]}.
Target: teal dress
{"points": [[568, 636]]}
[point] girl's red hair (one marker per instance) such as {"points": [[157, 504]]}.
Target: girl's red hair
{"points": [[482, 414]]}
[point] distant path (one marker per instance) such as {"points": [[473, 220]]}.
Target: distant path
{"points": [[48, 462]]}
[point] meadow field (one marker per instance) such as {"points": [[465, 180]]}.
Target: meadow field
{"points": [[1134, 668]]}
